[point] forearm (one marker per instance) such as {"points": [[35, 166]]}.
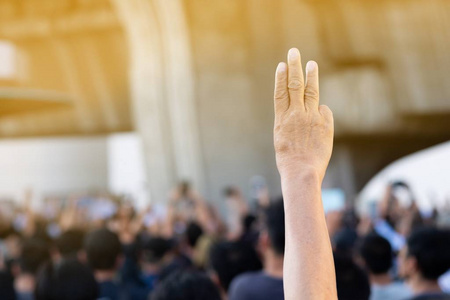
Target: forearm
{"points": [[303, 140], [308, 264]]}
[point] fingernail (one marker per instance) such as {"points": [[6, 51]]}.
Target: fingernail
{"points": [[293, 53], [281, 67], [311, 66]]}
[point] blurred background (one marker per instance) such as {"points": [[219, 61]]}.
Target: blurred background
{"points": [[132, 97], [136, 142]]}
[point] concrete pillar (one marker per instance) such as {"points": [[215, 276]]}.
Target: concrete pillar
{"points": [[162, 91]]}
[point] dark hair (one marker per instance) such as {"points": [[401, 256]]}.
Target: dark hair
{"points": [[102, 248], [377, 254], [70, 280], [34, 254], [344, 241], [248, 221], [154, 249], [274, 222], [431, 248], [193, 233], [7, 286], [186, 285], [70, 242], [229, 259], [352, 282]]}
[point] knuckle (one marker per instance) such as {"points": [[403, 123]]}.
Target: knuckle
{"points": [[277, 127], [280, 145], [280, 95], [280, 148], [294, 115], [327, 115], [311, 93], [295, 84], [325, 110]]}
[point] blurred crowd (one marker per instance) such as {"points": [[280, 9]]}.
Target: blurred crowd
{"points": [[102, 247]]}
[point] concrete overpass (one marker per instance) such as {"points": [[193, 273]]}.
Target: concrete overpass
{"points": [[195, 77]]}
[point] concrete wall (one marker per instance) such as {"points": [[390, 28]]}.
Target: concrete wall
{"points": [[52, 165], [59, 166]]}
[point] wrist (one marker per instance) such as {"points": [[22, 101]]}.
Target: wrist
{"points": [[300, 186], [300, 171], [300, 178]]}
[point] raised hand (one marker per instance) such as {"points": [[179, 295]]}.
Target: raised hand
{"points": [[303, 140], [303, 132]]}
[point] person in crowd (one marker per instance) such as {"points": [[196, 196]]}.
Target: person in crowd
{"points": [[266, 284], [184, 201], [155, 253], [193, 233], [342, 229], [250, 232], [69, 244], [376, 253], [352, 282], [186, 285], [104, 253], [33, 255], [236, 209], [230, 259], [68, 280], [425, 257], [182, 251], [346, 237], [398, 214], [125, 223], [142, 261], [196, 244], [10, 247]]}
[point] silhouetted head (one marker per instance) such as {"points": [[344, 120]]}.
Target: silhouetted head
{"points": [[229, 259], [102, 248], [34, 254], [427, 254], [154, 249], [377, 254], [352, 282], [69, 280], [70, 242], [193, 233], [186, 285], [274, 227]]}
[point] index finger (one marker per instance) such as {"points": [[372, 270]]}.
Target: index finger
{"points": [[281, 96]]}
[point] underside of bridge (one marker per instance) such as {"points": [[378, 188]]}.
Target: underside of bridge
{"points": [[195, 79]]}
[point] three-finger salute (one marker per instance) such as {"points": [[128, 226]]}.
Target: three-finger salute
{"points": [[303, 131]]}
